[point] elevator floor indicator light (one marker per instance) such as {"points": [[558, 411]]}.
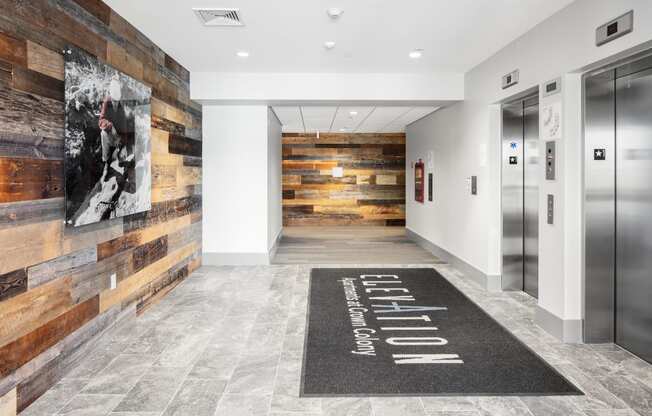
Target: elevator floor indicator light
{"points": [[513, 145]]}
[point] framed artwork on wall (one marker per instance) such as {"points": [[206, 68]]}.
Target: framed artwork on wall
{"points": [[419, 179], [107, 156]]}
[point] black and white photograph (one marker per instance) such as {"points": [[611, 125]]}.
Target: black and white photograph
{"points": [[107, 141]]}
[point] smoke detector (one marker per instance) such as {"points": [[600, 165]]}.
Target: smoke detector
{"points": [[334, 12], [219, 16]]}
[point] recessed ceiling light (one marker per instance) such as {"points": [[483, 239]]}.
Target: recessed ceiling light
{"points": [[353, 113], [344, 129], [329, 44], [334, 12], [416, 54], [242, 54]]}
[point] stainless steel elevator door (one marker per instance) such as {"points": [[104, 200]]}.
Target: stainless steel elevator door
{"points": [[599, 208], [531, 176], [512, 196], [520, 195], [634, 213]]}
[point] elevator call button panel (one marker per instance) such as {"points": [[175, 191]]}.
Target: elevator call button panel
{"points": [[551, 156], [551, 209]]}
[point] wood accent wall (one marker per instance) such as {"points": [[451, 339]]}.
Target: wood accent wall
{"points": [[371, 192], [55, 296]]}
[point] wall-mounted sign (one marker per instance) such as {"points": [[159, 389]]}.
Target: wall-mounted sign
{"points": [[552, 119], [430, 186], [599, 154], [510, 79], [615, 28], [551, 87], [419, 181]]}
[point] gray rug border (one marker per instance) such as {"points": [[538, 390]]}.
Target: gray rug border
{"points": [[305, 350]]}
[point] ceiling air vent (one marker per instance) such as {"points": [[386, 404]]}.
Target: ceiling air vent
{"points": [[219, 17]]}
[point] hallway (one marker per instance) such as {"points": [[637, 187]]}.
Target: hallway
{"points": [[228, 341], [349, 244], [314, 208]]}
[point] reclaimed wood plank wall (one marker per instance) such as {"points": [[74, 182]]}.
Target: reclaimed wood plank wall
{"points": [[370, 192], [55, 295]]}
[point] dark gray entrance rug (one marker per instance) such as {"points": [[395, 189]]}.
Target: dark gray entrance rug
{"points": [[394, 332]]}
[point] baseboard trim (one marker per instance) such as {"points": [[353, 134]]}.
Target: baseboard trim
{"points": [[565, 330], [235, 259], [491, 283], [272, 251]]}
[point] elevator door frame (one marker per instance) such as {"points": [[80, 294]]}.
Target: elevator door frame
{"points": [[526, 136], [600, 228]]}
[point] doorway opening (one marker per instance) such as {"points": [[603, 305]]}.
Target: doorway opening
{"points": [[344, 173]]}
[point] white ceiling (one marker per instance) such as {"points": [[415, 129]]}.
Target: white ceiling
{"points": [[372, 35], [310, 119]]}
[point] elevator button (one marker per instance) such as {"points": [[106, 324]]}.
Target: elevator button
{"points": [[599, 154]]}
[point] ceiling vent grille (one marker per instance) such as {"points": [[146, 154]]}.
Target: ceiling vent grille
{"points": [[219, 17]]}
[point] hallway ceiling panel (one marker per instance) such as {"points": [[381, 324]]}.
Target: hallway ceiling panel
{"points": [[349, 118], [310, 119], [318, 118], [289, 35], [290, 118]]}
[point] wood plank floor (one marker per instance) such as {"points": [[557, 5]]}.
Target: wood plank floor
{"points": [[350, 245]]}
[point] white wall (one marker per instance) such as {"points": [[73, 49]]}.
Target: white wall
{"points": [[270, 88], [466, 140], [236, 183], [274, 179]]}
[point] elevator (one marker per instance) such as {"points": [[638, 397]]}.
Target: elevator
{"points": [[618, 206], [520, 195]]}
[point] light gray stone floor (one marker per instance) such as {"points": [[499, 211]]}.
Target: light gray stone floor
{"points": [[228, 342]]}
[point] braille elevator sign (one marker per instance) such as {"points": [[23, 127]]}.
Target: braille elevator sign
{"points": [[513, 160], [599, 154]]}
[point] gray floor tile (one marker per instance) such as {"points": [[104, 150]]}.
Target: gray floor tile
{"points": [[551, 406], [56, 398], [611, 412], [346, 407], [293, 403], [254, 375], [91, 405], [456, 413], [397, 406], [502, 406], [449, 404], [120, 375], [636, 394], [135, 414], [153, 391], [197, 397], [243, 405]]}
